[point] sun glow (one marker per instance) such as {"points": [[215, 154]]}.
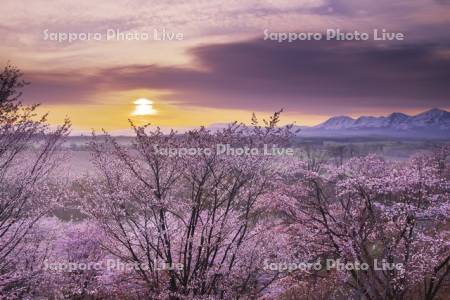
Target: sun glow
{"points": [[144, 107]]}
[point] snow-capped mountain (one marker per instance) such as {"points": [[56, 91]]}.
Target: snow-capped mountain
{"points": [[337, 123], [432, 119]]}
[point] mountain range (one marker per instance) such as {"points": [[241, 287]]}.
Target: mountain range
{"points": [[431, 119], [431, 124], [434, 123]]}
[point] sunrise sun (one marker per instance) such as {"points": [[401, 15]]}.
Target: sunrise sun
{"points": [[144, 107]]}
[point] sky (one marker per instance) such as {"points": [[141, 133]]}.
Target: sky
{"points": [[220, 61]]}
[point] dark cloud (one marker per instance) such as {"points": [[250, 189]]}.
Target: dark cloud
{"points": [[313, 77]]}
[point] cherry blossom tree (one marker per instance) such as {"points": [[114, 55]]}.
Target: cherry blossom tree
{"points": [[192, 221], [391, 216], [75, 265], [27, 156]]}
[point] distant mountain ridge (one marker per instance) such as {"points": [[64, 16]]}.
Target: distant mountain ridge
{"points": [[431, 124], [435, 118]]}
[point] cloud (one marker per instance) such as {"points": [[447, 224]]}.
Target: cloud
{"points": [[202, 22], [313, 77]]}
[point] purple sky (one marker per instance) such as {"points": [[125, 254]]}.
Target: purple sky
{"points": [[223, 62]]}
